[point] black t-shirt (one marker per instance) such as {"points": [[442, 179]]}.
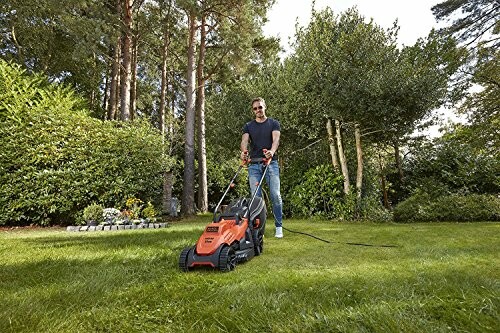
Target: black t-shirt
{"points": [[261, 136]]}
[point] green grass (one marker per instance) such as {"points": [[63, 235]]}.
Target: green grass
{"points": [[442, 278]]}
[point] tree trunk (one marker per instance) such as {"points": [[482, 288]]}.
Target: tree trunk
{"points": [[164, 84], [398, 160], [113, 89], [359, 153], [200, 112], [343, 161], [168, 183], [331, 143], [171, 116], [382, 182], [20, 52], [105, 99], [168, 175], [126, 61], [188, 181], [133, 83]]}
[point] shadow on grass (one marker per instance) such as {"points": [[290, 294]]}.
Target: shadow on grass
{"points": [[115, 239], [107, 259]]}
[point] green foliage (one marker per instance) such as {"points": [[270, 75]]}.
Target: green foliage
{"points": [[56, 160], [422, 207], [93, 212], [76, 52], [475, 24], [134, 206], [149, 211], [219, 175], [319, 193], [452, 164]]}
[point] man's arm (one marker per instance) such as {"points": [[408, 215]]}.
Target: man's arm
{"points": [[276, 143], [244, 145]]}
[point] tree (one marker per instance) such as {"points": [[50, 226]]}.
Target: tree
{"points": [[188, 204], [344, 58], [227, 32], [475, 24], [69, 43]]}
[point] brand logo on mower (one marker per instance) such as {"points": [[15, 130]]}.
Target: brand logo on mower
{"points": [[209, 239], [241, 256], [212, 229]]}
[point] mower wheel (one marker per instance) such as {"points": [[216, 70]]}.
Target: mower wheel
{"points": [[259, 246], [183, 259], [227, 259]]}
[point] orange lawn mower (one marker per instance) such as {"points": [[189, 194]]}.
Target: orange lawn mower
{"points": [[235, 235]]}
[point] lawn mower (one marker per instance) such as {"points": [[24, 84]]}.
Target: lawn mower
{"points": [[235, 234]]}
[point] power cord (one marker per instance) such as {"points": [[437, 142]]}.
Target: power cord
{"points": [[318, 238], [330, 242]]}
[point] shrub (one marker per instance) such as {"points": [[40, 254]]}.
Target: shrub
{"points": [[220, 172], [149, 211], [320, 194], [449, 165], [421, 207], [134, 206], [68, 159], [93, 213]]}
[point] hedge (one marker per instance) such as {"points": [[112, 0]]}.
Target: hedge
{"points": [[56, 159], [422, 207]]}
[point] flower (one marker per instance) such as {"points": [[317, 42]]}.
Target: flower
{"points": [[110, 213]]}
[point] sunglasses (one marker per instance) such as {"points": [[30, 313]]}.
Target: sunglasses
{"points": [[260, 107]]}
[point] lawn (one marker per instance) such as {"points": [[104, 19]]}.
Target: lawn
{"points": [[441, 278]]}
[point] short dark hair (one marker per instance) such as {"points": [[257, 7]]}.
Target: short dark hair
{"points": [[258, 99]]}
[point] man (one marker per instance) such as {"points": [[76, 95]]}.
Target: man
{"points": [[264, 133]]}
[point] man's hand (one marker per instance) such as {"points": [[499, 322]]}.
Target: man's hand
{"points": [[268, 154], [244, 155]]}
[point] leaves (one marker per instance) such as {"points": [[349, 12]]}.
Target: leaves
{"points": [[68, 159]]}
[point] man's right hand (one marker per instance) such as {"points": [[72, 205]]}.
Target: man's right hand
{"points": [[244, 155]]}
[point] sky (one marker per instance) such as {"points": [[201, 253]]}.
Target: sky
{"points": [[414, 16]]}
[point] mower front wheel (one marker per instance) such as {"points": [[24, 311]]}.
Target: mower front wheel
{"points": [[183, 259], [227, 259]]}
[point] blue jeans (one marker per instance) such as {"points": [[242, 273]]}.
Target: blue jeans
{"points": [[272, 178]]}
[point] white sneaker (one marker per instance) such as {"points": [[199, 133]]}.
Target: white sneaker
{"points": [[279, 232]]}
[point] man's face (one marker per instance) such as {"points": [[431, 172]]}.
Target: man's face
{"points": [[259, 109]]}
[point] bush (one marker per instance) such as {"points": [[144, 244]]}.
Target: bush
{"points": [[93, 213], [449, 165], [421, 207], [320, 194], [56, 159], [220, 172], [149, 212]]}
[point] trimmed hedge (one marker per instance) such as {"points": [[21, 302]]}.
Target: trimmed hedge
{"points": [[56, 159], [422, 207]]}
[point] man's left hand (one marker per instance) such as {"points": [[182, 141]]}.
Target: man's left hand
{"points": [[269, 154]]}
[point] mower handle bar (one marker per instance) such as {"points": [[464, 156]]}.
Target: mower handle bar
{"points": [[244, 162]]}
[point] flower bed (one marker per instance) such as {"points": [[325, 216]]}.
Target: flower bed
{"points": [[115, 227]]}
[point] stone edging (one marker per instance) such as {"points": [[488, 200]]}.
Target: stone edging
{"points": [[117, 227]]}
